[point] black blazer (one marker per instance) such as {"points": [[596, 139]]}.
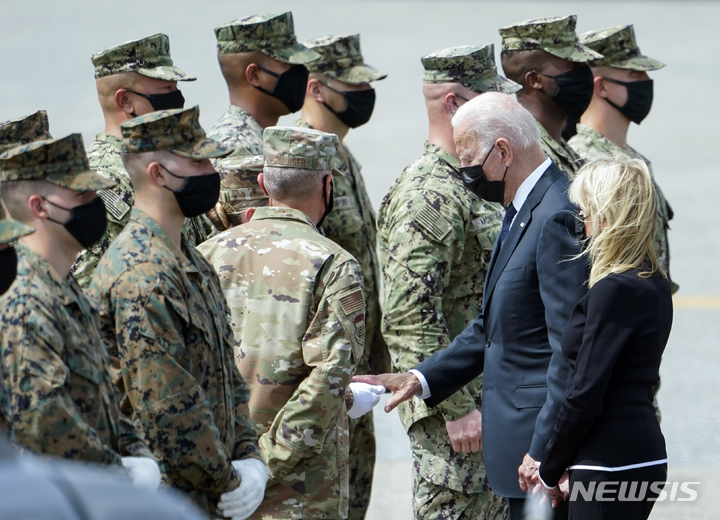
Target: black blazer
{"points": [[614, 341], [532, 286]]}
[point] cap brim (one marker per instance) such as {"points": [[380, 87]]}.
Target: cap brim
{"points": [[492, 84], [167, 73], [12, 230], [639, 63], [577, 53], [356, 75], [205, 149], [297, 54], [246, 162], [84, 181], [340, 173]]}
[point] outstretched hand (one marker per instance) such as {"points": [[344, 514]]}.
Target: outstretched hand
{"points": [[403, 386]]}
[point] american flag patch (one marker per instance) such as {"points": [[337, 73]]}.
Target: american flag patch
{"points": [[433, 222], [352, 302]]}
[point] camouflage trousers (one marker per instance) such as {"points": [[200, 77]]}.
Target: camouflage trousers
{"points": [[362, 465], [448, 485]]}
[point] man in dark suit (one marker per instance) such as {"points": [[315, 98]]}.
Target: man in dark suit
{"points": [[533, 282]]}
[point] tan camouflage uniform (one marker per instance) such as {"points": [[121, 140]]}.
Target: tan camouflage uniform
{"points": [[164, 319], [436, 239], [298, 311], [149, 57], [56, 394]]}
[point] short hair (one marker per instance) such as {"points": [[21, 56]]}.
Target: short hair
{"points": [[516, 64], [618, 195], [16, 193], [135, 164], [289, 185], [233, 66], [494, 115], [108, 85], [226, 214]]}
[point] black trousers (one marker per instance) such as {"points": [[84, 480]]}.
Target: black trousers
{"points": [[517, 505], [626, 494]]}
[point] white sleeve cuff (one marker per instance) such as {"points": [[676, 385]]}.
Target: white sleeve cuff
{"points": [[425, 388], [545, 485]]}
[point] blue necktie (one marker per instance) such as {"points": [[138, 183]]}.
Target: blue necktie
{"points": [[510, 213]]}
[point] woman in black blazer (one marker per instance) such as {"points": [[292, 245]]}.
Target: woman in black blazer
{"points": [[607, 439]]}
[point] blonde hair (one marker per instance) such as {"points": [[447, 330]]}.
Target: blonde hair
{"points": [[618, 196]]}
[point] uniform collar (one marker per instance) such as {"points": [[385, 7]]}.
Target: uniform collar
{"points": [[112, 140], [183, 255], [442, 153], [275, 212], [562, 148], [48, 275]]}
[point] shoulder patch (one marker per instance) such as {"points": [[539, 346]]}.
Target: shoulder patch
{"points": [[114, 203], [352, 302], [433, 222]]}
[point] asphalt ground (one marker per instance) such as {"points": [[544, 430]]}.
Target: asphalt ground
{"points": [[45, 63]]}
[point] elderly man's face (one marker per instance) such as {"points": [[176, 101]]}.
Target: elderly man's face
{"points": [[469, 154]]}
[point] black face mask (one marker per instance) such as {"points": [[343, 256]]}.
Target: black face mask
{"points": [[575, 91], [359, 106], [8, 268], [475, 179], [166, 101], [639, 101], [87, 223], [198, 194], [290, 87], [328, 205]]}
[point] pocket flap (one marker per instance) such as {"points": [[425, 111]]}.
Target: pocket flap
{"points": [[530, 396]]}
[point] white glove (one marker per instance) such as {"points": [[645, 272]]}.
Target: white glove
{"points": [[144, 472], [365, 396], [240, 503]]}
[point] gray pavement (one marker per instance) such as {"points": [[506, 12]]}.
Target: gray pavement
{"points": [[45, 61]]}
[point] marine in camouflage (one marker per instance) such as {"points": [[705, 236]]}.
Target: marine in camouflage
{"points": [[589, 142], [297, 306], [436, 239], [555, 35], [164, 319], [471, 66], [561, 153], [24, 130], [619, 49], [104, 157], [271, 34], [147, 56], [57, 397]]}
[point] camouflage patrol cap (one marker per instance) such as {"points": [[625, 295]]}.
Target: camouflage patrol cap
{"points": [[24, 130], [271, 34], [148, 56], [177, 131], [340, 59], [302, 148], [619, 49], [470, 65], [239, 178], [554, 35], [12, 230], [58, 161]]}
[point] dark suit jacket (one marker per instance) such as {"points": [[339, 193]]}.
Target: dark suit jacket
{"points": [[532, 286], [614, 341]]}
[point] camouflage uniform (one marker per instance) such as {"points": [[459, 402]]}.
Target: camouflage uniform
{"points": [[351, 225], [620, 50], [56, 395], [436, 239], [562, 154], [164, 319], [298, 315], [556, 36], [238, 130], [149, 57]]}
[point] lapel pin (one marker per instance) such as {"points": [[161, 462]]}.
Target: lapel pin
{"points": [[522, 224]]}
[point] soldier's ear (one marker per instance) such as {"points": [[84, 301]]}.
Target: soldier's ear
{"points": [[123, 101], [261, 182], [153, 172], [534, 80], [314, 90], [600, 87], [248, 214], [252, 75]]}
